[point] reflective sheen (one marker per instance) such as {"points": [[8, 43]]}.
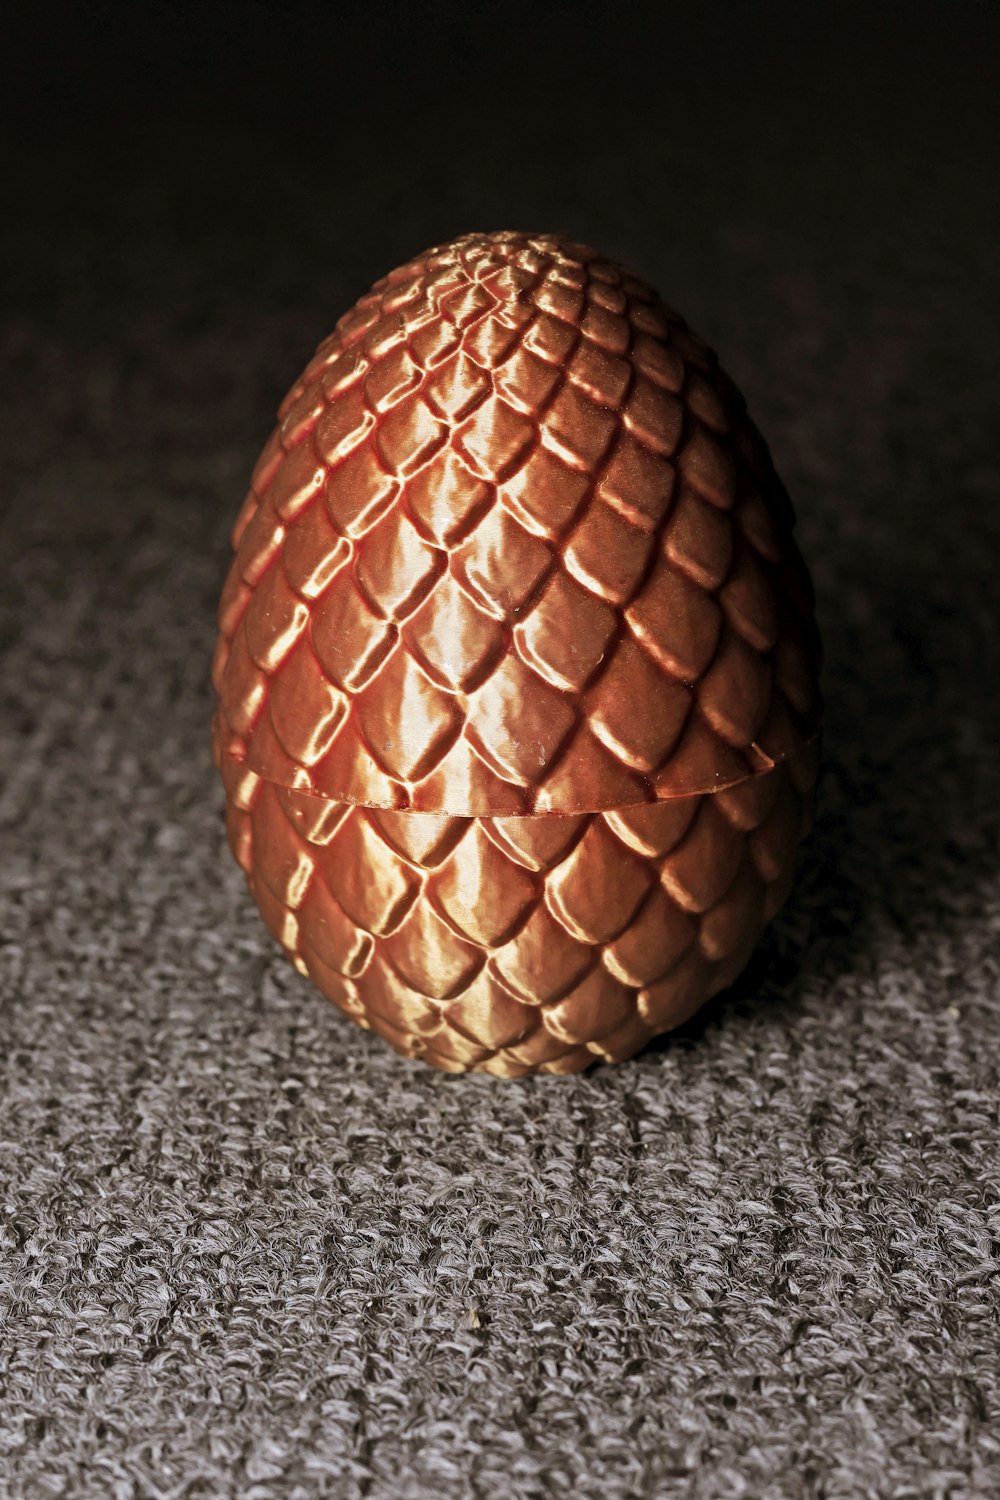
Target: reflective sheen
{"points": [[514, 550], [520, 944]]}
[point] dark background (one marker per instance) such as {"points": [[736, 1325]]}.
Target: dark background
{"points": [[248, 1251]]}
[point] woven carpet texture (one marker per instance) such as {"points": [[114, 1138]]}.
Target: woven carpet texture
{"points": [[247, 1251]]}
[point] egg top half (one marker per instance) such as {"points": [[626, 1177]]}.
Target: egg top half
{"points": [[514, 547]]}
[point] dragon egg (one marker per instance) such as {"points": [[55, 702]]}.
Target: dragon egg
{"points": [[517, 666]]}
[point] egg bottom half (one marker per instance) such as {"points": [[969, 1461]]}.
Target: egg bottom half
{"points": [[514, 945]]}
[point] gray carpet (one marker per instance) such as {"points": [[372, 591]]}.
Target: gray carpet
{"points": [[249, 1252]]}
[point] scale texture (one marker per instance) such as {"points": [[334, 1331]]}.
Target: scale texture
{"points": [[514, 547], [513, 945], [513, 563]]}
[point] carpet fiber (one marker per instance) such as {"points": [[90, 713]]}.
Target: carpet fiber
{"points": [[248, 1251]]}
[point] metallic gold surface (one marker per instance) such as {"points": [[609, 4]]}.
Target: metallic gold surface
{"points": [[515, 574]]}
